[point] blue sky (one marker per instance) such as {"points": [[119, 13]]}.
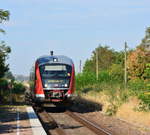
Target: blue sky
{"points": [[70, 27]]}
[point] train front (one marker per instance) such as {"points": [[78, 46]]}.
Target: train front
{"points": [[55, 79]]}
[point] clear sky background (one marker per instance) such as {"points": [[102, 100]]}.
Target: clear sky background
{"points": [[70, 27]]}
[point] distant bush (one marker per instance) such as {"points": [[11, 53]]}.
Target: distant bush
{"points": [[85, 79], [18, 88], [144, 104], [18, 92], [104, 76], [137, 85], [3, 84], [116, 72], [4, 92]]}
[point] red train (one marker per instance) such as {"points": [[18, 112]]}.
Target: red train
{"points": [[52, 79]]}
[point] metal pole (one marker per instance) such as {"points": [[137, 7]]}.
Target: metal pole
{"points": [[125, 65], [97, 64]]}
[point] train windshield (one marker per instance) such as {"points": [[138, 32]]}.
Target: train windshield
{"points": [[55, 76]]}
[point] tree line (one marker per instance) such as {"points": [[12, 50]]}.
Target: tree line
{"points": [[111, 66], [112, 62], [10, 90], [111, 73]]}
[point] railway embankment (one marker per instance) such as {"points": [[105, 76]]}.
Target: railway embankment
{"points": [[126, 120]]}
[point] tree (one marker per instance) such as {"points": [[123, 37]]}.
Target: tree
{"points": [[4, 16], [4, 50], [139, 58], [89, 66], [9, 75], [106, 57]]}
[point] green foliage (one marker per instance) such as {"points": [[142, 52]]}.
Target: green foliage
{"points": [[119, 58], [18, 88], [16, 91], [87, 81], [116, 72], [147, 72], [84, 79], [106, 57], [110, 64], [9, 75], [145, 101], [104, 76], [4, 16], [4, 91], [4, 51], [89, 66], [137, 85], [3, 84]]}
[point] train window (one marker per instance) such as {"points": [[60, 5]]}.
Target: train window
{"points": [[56, 75]]}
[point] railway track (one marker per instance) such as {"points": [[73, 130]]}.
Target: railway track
{"points": [[87, 123], [50, 124], [52, 127]]}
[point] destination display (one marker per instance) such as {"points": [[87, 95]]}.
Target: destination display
{"points": [[55, 68]]}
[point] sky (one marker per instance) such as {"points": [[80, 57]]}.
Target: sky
{"points": [[70, 27]]}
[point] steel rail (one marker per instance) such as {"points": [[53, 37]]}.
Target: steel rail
{"points": [[49, 123], [90, 125]]}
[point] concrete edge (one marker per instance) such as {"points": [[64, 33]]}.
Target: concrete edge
{"points": [[36, 125]]}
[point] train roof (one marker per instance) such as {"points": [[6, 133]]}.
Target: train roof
{"points": [[54, 59]]}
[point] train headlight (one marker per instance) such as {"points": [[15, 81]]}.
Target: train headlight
{"points": [[66, 85], [55, 59], [46, 85]]}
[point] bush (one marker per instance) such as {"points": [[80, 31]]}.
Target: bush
{"points": [[4, 91], [144, 105], [3, 84], [18, 92], [137, 85], [87, 81], [18, 88], [104, 76], [116, 72], [84, 80]]}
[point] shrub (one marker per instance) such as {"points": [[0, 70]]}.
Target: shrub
{"points": [[137, 85], [84, 79], [116, 72], [4, 92], [104, 76], [18, 88], [3, 84], [145, 101]]}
